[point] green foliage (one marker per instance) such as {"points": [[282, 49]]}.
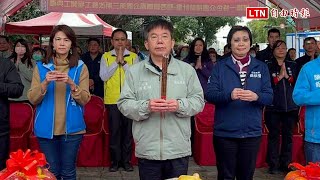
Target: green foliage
{"points": [[185, 28], [31, 10], [259, 28]]}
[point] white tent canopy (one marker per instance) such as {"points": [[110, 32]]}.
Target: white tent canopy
{"points": [[82, 24], [43, 25], [107, 27]]}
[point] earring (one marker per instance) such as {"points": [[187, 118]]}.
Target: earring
{"points": [[70, 51], [54, 50]]}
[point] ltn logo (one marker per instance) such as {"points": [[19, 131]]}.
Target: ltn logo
{"points": [[257, 13]]}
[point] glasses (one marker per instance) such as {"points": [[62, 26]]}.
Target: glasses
{"points": [[156, 37]]}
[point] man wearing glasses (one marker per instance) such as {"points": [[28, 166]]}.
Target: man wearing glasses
{"points": [[161, 125], [112, 71]]}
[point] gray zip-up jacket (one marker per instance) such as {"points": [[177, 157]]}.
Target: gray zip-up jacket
{"points": [[157, 138], [25, 73]]}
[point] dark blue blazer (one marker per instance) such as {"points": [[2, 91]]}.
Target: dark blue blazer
{"points": [[237, 118]]}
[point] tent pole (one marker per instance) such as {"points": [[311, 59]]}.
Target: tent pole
{"points": [[40, 40], [103, 44], [3, 21]]}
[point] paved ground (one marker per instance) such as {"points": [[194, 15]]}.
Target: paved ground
{"points": [[206, 173]]}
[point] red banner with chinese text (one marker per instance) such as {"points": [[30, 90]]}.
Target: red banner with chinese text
{"points": [[152, 7]]}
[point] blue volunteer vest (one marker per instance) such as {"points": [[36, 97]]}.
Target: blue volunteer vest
{"points": [[44, 120]]}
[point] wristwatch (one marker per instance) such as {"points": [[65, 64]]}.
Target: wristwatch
{"points": [[76, 89]]}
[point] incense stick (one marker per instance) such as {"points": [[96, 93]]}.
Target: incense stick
{"points": [[164, 77], [164, 80]]}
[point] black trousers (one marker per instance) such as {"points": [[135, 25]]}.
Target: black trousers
{"points": [[236, 157], [120, 129], [4, 150], [193, 128], [275, 122], [160, 170]]}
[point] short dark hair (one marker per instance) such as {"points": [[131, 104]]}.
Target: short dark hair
{"points": [[252, 49], [73, 57], [309, 39], [211, 49], [213, 52], [164, 24], [119, 30], [93, 39], [277, 44], [5, 37], [273, 30], [291, 49], [235, 29], [43, 52], [136, 47]]}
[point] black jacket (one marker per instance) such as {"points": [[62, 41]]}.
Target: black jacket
{"points": [[302, 61], [94, 68], [283, 89], [10, 87], [265, 55]]}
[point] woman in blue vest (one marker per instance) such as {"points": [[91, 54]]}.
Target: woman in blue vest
{"points": [[60, 89]]}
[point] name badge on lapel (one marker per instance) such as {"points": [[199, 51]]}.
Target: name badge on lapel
{"points": [[255, 74]]}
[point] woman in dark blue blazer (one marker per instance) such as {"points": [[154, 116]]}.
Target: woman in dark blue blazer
{"points": [[239, 86]]}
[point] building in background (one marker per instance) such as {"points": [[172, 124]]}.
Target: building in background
{"points": [[295, 40]]}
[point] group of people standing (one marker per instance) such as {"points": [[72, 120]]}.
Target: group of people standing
{"points": [[61, 85], [239, 85], [274, 83], [282, 114], [16, 75], [58, 85], [235, 131]]}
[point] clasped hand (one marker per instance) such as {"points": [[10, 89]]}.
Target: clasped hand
{"points": [[162, 105], [244, 95], [120, 58], [283, 72], [58, 76]]}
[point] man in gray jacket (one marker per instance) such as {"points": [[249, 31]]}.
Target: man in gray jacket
{"points": [[161, 127]]}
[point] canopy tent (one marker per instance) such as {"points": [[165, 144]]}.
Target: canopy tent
{"points": [[168, 7], [310, 23], [188, 8], [43, 25], [10, 7], [82, 24], [107, 28]]}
